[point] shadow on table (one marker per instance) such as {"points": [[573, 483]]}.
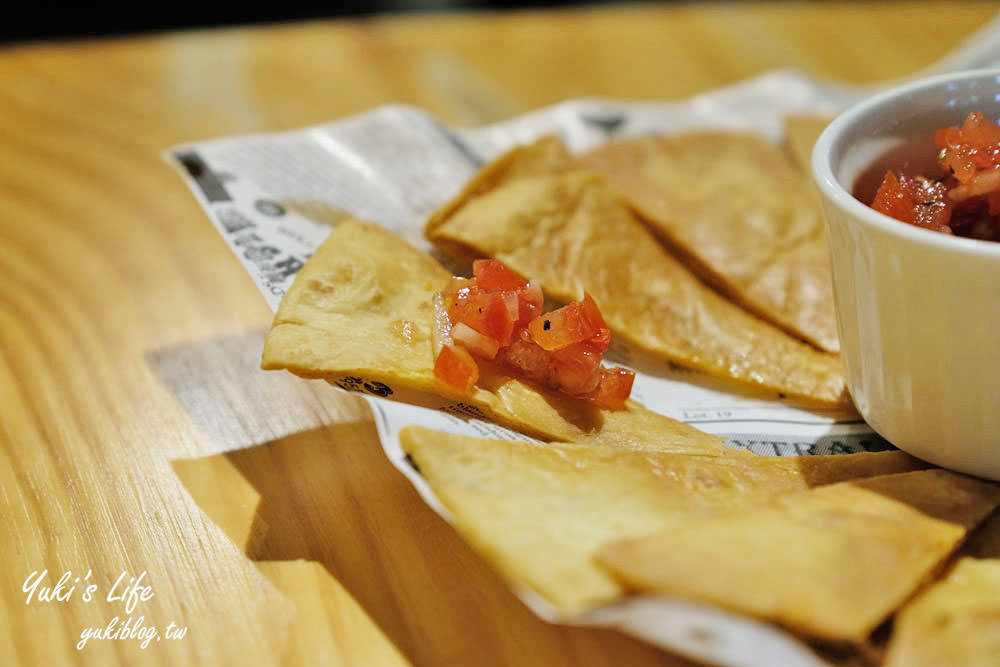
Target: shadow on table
{"points": [[327, 495]]}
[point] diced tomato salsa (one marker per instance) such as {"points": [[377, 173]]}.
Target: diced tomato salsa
{"points": [[497, 315], [966, 200]]}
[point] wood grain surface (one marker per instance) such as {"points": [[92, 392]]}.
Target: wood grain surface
{"points": [[137, 433]]}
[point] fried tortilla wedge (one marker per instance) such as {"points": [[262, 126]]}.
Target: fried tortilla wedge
{"points": [[741, 215], [957, 620], [545, 156], [571, 232], [831, 562], [539, 512], [362, 307]]}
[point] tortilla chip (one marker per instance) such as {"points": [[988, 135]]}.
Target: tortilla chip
{"points": [[741, 214], [361, 307], [801, 133], [957, 620], [831, 562], [545, 156], [539, 512], [799, 283], [572, 233], [340, 315]]}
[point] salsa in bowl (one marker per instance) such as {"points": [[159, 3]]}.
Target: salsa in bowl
{"points": [[956, 193]]}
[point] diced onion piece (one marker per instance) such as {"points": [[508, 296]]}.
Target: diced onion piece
{"points": [[983, 183], [533, 293], [474, 342], [441, 331], [456, 368], [513, 303], [530, 301]]}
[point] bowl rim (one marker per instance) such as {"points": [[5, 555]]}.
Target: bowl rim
{"points": [[822, 169]]}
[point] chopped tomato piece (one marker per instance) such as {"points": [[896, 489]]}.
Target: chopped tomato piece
{"points": [[485, 312], [892, 200], [573, 323], [456, 368], [527, 312], [967, 150], [474, 342], [918, 201], [575, 369], [614, 388], [602, 339], [493, 274], [592, 312], [527, 357], [947, 136]]}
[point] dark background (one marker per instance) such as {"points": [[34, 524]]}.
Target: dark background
{"points": [[47, 20]]}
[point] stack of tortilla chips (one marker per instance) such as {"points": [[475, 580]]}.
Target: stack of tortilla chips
{"points": [[705, 250]]}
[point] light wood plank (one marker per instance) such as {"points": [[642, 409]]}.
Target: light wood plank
{"points": [[127, 330]]}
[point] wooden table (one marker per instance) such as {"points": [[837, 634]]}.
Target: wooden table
{"points": [[137, 433]]}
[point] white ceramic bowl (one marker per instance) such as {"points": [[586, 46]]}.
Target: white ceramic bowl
{"points": [[918, 311]]}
